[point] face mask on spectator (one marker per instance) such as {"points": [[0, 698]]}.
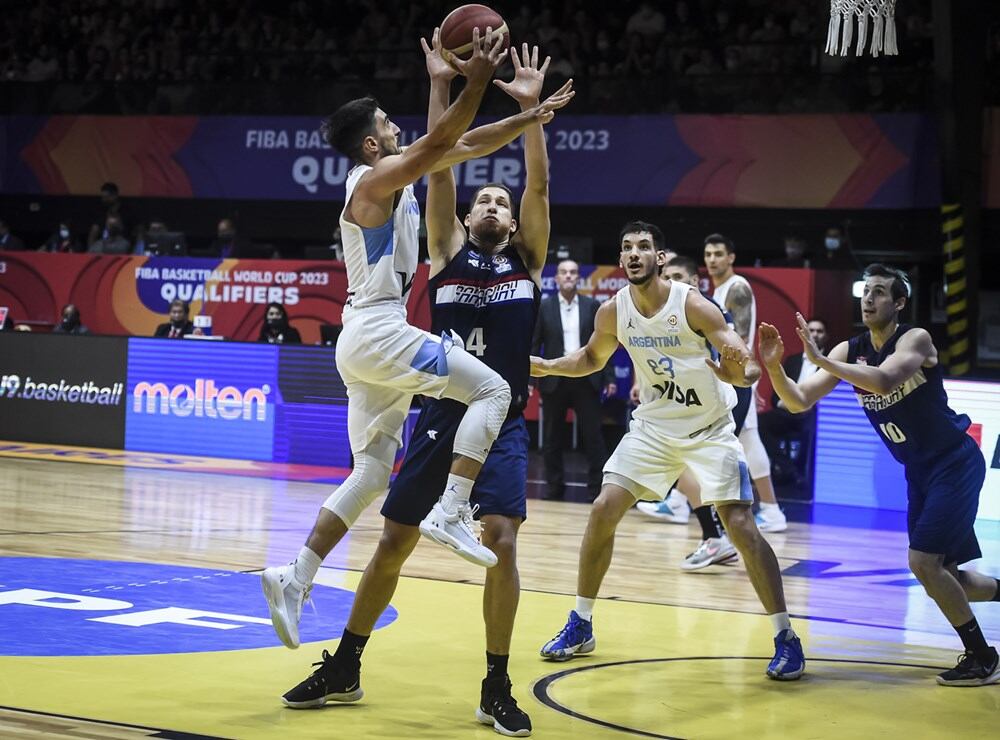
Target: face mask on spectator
{"points": [[69, 321], [227, 236], [832, 243], [275, 323], [64, 233]]}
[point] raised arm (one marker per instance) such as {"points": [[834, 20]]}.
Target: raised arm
{"points": [[397, 171], [736, 365], [589, 358], [797, 397], [533, 219], [485, 140], [445, 233], [913, 350]]}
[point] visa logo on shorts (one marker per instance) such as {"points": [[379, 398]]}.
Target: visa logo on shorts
{"points": [[201, 399]]}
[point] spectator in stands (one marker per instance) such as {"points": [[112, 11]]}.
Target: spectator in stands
{"points": [[227, 242], [43, 67], [836, 253], [179, 325], [8, 241], [795, 253], [70, 323], [62, 240], [114, 241], [276, 328], [111, 203], [785, 435], [142, 235], [647, 20]]}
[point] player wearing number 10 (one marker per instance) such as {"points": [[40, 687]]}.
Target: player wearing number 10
{"points": [[897, 376]]}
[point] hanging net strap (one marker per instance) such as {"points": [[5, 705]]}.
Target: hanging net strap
{"points": [[841, 31]]}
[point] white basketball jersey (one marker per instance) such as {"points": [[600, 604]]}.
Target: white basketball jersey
{"points": [[676, 388], [381, 261], [722, 291]]}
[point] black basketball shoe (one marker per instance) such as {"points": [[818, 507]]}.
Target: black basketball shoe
{"points": [[971, 671], [498, 708], [329, 682]]}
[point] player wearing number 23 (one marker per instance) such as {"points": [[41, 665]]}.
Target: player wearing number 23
{"points": [[897, 376]]}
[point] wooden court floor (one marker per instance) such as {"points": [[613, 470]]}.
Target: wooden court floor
{"points": [[130, 607]]}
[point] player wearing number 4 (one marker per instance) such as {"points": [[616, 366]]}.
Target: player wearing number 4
{"points": [[484, 288], [383, 360], [897, 377], [684, 421]]}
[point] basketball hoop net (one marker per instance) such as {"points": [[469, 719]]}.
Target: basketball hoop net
{"points": [[841, 33]]}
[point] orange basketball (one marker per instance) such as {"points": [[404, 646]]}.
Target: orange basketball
{"points": [[456, 28]]}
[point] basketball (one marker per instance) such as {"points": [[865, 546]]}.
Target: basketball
{"points": [[456, 28]]}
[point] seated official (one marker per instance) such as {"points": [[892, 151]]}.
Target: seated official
{"points": [[276, 328], [70, 323], [179, 325]]}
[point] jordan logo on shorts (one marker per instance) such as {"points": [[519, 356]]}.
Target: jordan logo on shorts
{"points": [[432, 433]]}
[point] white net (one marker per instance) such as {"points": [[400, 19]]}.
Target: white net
{"points": [[842, 16]]}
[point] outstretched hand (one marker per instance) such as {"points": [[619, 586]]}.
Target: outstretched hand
{"points": [[731, 367], [526, 87], [810, 347], [438, 67], [770, 345], [487, 55], [545, 111]]}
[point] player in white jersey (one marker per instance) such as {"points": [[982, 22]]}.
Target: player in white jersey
{"points": [[683, 422], [382, 359], [734, 294]]}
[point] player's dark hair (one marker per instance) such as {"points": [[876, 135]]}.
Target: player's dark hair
{"points": [[723, 240], [900, 285], [346, 128], [475, 195], [638, 227], [685, 263]]}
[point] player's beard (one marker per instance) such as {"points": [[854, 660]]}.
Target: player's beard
{"points": [[490, 234], [645, 277]]}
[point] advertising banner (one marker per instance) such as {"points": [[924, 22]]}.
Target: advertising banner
{"points": [[131, 295], [772, 161], [62, 389], [853, 467]]}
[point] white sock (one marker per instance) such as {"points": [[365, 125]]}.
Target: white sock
{"points": [[306, 566], [456, 492], [780, 621], [585, 608], [765, 506]]}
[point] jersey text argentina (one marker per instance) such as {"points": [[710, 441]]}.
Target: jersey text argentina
{"points": [[676, 389], [381, 260]]}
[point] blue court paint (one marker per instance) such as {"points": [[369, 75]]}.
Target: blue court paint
{"points": [[55, 607]]}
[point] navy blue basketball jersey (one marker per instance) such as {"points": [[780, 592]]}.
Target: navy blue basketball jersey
{"points": [[914, 420], [491, 302]]}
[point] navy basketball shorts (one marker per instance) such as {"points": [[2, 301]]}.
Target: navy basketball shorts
{"points": [[500, 488], [943, 498]]}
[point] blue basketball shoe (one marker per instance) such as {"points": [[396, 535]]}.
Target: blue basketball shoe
{"points": [[576, 637], [789, 662]]}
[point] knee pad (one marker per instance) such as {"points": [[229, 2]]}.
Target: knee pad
{"points": [[483, 419], [368, 480], [757, 460]]}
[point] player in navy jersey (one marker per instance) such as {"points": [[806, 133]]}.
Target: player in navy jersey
{"points": [[485, 290], [896, 374]]}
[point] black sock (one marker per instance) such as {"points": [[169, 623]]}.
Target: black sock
{"points": [[707, 521], [350, 648], [496, 665], [996, 596], [974, 640]]}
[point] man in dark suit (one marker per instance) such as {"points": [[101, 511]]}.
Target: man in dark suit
{"points": [[779, 424], [179, 325], [565, 323]]}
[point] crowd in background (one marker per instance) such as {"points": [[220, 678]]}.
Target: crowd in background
{"points": [[670, 45]]}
